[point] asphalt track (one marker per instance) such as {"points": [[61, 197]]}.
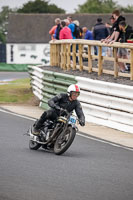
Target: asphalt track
{"points": [[9, 76], [91, 169]]}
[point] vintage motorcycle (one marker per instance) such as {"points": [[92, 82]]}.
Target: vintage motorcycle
{"points": [[56, 136]]}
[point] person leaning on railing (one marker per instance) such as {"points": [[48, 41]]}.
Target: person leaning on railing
{"points": [[126, 33], [114, 37]]}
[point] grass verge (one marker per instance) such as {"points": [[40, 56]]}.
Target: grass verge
{"points": [[18, 91]]}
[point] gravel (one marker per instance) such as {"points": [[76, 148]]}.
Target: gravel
{"points": [[93, 75]]}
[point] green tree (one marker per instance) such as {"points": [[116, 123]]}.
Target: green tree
{"points": [[97, 6], [54, 9], [3, 22], [128, 9], [40, 6]]}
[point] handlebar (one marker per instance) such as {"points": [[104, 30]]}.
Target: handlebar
{"points": [[62, 110]]}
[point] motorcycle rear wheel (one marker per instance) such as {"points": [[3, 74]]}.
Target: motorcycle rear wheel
{"points": [[34, 145], [63, 143]]}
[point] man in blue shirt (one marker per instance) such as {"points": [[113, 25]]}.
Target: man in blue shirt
{"points": [[88, 34]]}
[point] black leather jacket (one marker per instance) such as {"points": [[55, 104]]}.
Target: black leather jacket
{"points": [[62, 100]]}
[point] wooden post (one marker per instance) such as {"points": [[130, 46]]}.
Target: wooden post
{"points": [[51, 54], [61, 55], [54, 55], [68, 56], [74, 56], [131, 65], [115, 62], [57, 54], [89, 59], [100, 69], [64, 56], [80, 57]]}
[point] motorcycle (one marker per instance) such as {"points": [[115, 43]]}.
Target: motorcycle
{"points": [[55, 135]]}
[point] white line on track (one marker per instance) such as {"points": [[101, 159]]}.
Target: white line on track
{"points": [[79, 134], [105, 142], [18, 115]]}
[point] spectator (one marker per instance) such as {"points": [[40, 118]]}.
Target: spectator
{"points": [[57, 31], [114, 37], [52, 30], [70, 19], [110, 25], [110, 30], [126, 33], [67, 22], [87, 34], [78, 33], [65, 32], [71, 26], [100, 32]]}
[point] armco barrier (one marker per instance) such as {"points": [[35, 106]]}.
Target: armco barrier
{"points": [[103, 103], [13, 67], [46, 84], [107, 104]]}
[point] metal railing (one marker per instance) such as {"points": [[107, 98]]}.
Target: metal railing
{"points": [[65, 53]]}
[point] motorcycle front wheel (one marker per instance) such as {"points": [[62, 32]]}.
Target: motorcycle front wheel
{"points": [[34, 145], [64, 141]]}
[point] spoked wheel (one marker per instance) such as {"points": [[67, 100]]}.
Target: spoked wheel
{"points": [[63, 142], [34, 145]]}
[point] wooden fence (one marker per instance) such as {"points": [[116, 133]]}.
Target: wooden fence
{"points": [[64, 53]]}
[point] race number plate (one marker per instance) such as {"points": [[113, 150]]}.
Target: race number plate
{"points": [[72, 119]]}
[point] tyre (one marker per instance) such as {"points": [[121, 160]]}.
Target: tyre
{"points": [[63, 143], [34, 145]]}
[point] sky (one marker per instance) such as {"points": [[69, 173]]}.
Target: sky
{"points": [[68, 5]]}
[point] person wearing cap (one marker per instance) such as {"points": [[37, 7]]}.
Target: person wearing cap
{"points": [[78, 32]]}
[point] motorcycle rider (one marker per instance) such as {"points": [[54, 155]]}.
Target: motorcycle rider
{"points": [[66, 101]]}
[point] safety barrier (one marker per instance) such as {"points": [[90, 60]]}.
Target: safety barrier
{"points": [[46, 84], [13, 67], [70, 54], [107, 104]]}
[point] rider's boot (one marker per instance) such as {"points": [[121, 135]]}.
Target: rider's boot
{"points": [[36, 128], [38, 124], [35, 131]]}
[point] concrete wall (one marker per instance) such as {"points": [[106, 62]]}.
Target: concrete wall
{"points": [[35, 27], [87, 20]]}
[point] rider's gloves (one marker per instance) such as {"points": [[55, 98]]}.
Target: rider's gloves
{"points": [[82, 123], [57, 107]]}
